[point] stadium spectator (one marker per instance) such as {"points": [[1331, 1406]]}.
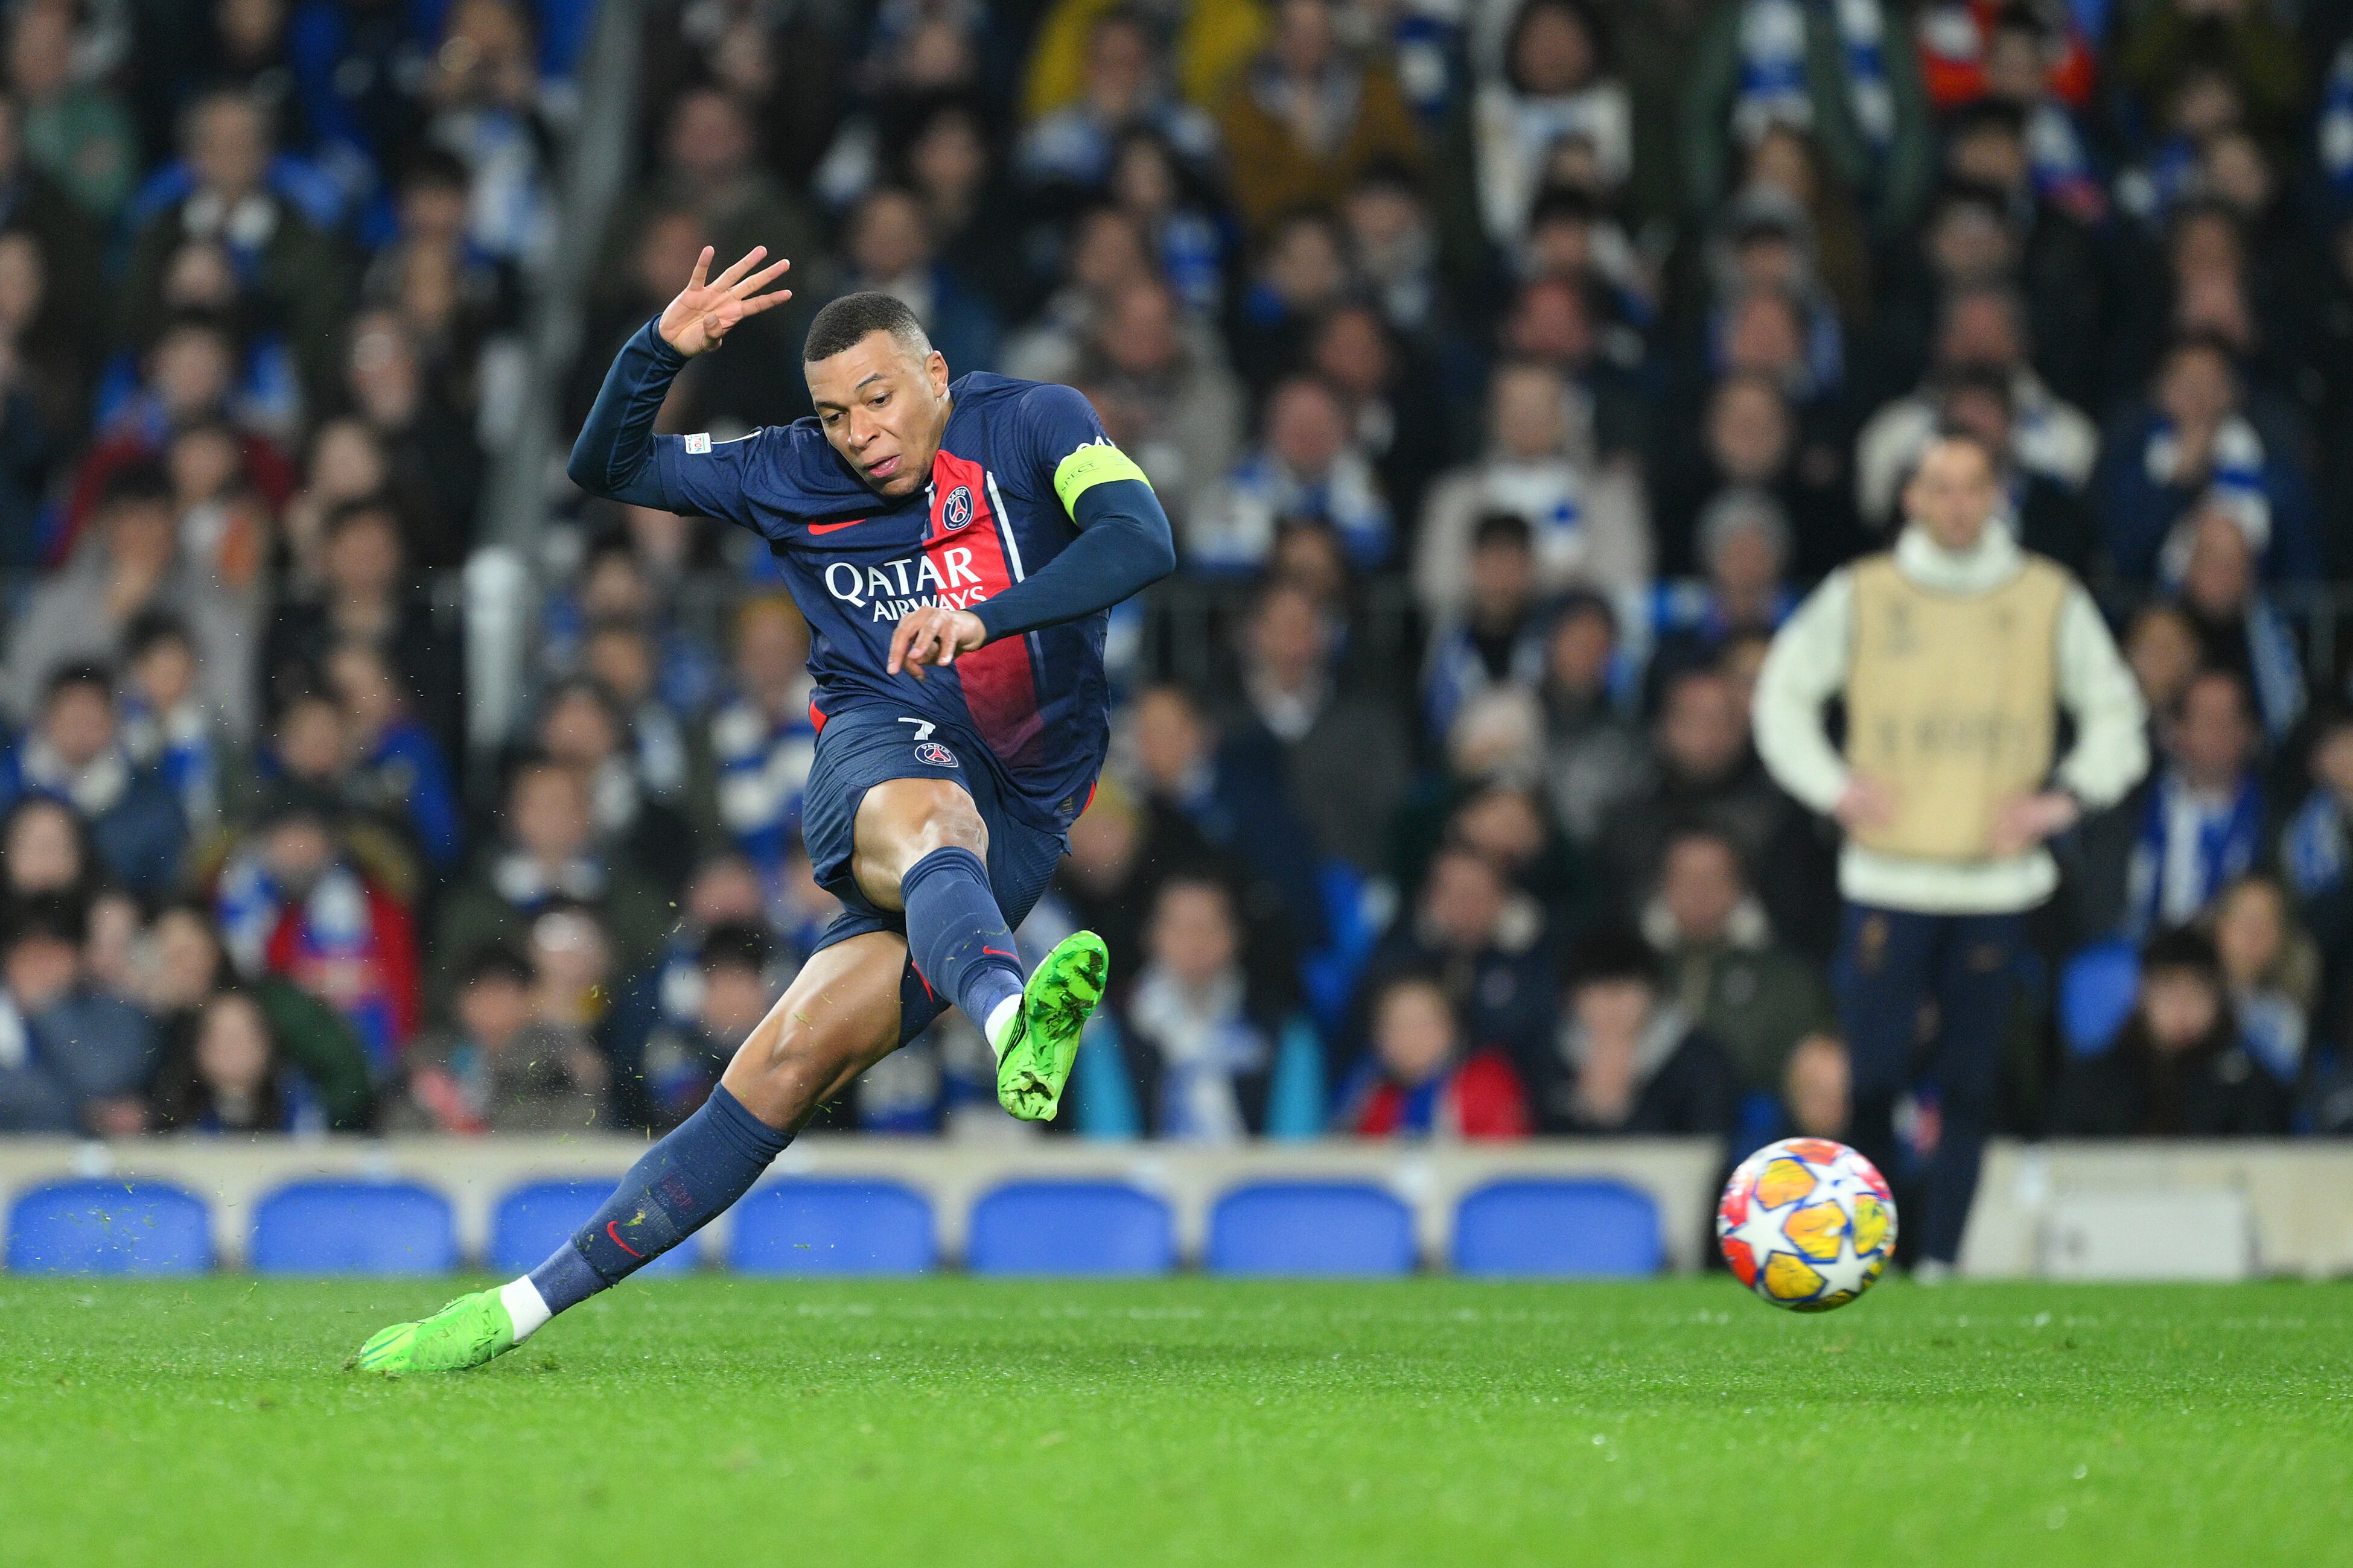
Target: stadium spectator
{"points": [[2201, 821], [296, 901], [889, 247], [1980, 338], [390, 764], [45, 847], [1594, 758], [1123, 88], [1421, 1080], [132, 562], [1745, 548], [75, 754], [1144, 365], [2273, 972], [429, 449], [184, 966], [72, 1059], [580, 727], [1391, 394], [1626, 1058], [499, 1069], [165, 726], [2179, 1068], [1590, 523], [619, 657], [1207, 1059], [546, 852], [1471, 932], [366, 594], [75, 130], [1705, 771], [2192, 438], [1307, 464], [223, 1074], [684, 1058], [1750, 439], [1344, 759], [1953, 633], [762, 739], [287, 269], [1554, 87], [1721, 964], [2239, 626], [1306, 117], [1496, 636], [1818, 1089], [1233, 801]]}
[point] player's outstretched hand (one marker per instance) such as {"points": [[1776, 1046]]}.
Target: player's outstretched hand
{"points": [[934, 635], [703, 313]]}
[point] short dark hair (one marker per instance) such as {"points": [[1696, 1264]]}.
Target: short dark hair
{"points": [[96, 677], [436, 166], [52, 917], [496, 960], [1948, 430], [848, 322], [2182, 948], [1614, 954], [1506, 528], [140, 483], [149, 629], [361, 508], [739, 944]]}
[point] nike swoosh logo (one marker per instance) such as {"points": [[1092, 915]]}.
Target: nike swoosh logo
{"points": [[613, 1229], [998, 953], [833, 527]]}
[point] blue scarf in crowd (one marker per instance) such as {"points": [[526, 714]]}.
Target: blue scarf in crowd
{"points": [[2188, 855], [1773, 69]]}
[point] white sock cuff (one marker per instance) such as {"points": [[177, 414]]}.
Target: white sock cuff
{"points": [[525, 1309], [1000, 1028]]}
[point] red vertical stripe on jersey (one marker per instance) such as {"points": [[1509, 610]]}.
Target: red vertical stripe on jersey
{"points": [[999, 689]]}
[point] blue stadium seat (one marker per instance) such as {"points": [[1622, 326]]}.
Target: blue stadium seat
{"points": [[1070, 1227], [1311, 1227], [109, 1227], [2096, 995], [354, 1228], [1558, 1229], [532, 1221], [808, 1226]]}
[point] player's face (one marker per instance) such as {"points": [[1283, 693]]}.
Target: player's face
{"points": [[884, 409]]}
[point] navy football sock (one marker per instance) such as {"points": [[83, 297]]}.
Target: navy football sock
{"points": [[957, 935], [705, 1163]]}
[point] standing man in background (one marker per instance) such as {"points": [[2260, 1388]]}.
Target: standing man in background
{"points": [[1954, 653]]}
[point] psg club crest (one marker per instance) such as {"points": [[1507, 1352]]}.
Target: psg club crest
{"points": [[956, 510], [934, 754]]}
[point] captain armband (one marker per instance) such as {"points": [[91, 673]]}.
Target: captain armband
{"points": [[1098, 463]]}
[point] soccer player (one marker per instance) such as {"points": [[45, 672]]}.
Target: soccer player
{"points": [[955, 549]]}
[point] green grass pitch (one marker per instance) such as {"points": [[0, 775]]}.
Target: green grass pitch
{"points": [[960, 1422]]}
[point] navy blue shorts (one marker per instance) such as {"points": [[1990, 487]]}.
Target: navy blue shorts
{"points": [[871, 743]]}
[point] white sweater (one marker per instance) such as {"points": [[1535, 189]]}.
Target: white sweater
{"points": [[1808, 666]]}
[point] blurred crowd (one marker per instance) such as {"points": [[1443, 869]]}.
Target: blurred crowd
{"points": [[1509, 369]]}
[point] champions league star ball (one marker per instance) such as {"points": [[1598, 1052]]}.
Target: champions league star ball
{"points": [[1806, 1224]]}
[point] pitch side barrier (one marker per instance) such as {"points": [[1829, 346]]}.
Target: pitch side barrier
{"points": [[2202, 1210]]}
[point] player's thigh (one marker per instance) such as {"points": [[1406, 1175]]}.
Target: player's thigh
{"points": [[840, 1016], [900, 821]]}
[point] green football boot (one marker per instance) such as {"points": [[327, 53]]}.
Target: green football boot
{"points": [[1033, 1066], [467, 1332]]}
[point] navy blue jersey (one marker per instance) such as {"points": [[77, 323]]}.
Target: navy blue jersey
{"points": [[992, 515]]}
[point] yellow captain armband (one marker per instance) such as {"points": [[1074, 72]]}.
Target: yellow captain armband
{"points": [[1098, 463]]}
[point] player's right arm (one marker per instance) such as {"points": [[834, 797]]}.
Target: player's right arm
{"points": [[617, 455]]}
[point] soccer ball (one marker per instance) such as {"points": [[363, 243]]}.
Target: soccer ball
{"points": [[1806, 1224]]}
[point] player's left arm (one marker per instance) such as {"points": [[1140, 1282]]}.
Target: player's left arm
{"points": [[1125, 543]]}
